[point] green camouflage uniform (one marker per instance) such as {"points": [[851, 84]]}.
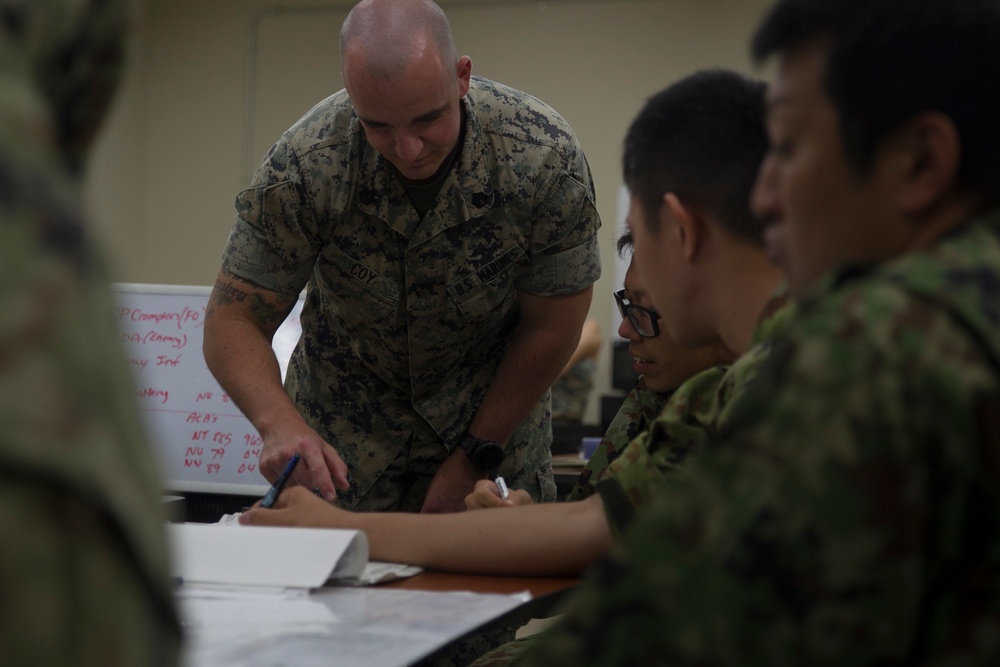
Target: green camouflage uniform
{"points": [[636, 413], [406, 318], [571, 391], [851, 514], [692, 416], [84, 573], [644, 446]]}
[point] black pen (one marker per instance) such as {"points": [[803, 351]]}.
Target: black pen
{"points": [[272, 494]]}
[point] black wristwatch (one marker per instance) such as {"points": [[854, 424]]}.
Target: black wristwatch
{"points": [[485, 455]]}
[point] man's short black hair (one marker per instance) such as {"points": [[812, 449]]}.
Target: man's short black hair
{"points": [[890, 60], [703, 139]]}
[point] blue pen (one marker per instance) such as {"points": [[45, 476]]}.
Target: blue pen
{"points": [[272, 494]]}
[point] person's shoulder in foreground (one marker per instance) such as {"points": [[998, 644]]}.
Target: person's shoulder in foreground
{"points": [[83, 565], [850, 516]]}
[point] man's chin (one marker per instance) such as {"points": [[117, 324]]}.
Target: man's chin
{"points": [[776, 245], [417, 175]]}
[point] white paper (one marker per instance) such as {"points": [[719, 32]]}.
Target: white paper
{"points": [[379, 573], [346, 627], [265, 556]]}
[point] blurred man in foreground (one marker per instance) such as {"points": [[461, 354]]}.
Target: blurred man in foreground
{"points": [[84, 578]]}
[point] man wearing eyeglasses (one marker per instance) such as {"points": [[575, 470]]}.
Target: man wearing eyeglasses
{"points": [[662, 365]]}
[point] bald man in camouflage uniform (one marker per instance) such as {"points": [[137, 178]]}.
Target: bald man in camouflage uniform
{"points": [[84, 578], [852, 515], [447, 279]]}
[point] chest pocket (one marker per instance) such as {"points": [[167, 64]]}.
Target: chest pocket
{"points": [[359, 292], [490, 288]]}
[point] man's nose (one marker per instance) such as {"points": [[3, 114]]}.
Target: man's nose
{"points": [[408, 147], [628, 332]]}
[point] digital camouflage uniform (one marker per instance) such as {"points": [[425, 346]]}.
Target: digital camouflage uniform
{"points": [[84, 577], [571, 392], [406, 318], [851, 516]]}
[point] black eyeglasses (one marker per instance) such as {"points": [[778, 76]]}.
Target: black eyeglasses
{"points": [[645, 320]]}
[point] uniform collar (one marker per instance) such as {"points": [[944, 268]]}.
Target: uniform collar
{"points": [[843, 276]]}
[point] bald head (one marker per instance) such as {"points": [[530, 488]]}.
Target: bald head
{"points": [[388, 35]]}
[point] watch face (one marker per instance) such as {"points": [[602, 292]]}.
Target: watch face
{"points": [[489, 456]]}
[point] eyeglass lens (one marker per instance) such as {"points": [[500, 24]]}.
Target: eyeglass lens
{"points": [[641, 318]]}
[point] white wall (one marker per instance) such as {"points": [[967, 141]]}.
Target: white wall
{"points": [[213, 82]]}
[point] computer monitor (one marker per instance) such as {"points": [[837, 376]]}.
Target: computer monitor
{"points": [[623, 377]]}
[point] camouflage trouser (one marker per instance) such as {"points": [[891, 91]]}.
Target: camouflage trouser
{"points": [[403, 485], [506, 654], [465, 651]]}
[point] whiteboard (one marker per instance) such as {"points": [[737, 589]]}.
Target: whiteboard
{"points": [[202, 440]]}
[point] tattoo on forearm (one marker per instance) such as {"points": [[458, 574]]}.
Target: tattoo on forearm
{"points": [[266, 313], [227, 292]]}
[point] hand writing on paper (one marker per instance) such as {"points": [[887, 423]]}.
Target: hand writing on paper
{"points": [[486, 495], [297, 507], [323, 468]]}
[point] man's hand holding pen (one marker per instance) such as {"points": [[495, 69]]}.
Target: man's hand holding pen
{"points": [[487, 494], [297, 506]]}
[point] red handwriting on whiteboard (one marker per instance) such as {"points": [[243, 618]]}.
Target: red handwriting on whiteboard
{"points": [[139, 363], [179, 318], [246, 467], [252, 440], [155, 337], [149, 392], [201, 418], [213, 468]]}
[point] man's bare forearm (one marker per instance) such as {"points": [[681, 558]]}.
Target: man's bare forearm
{"points": [[550, 539], [240, 322], [544, 341]]}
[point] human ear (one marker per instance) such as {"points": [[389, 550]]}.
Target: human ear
{"points": [[463, 70], [688, 227], [931, 151]]}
